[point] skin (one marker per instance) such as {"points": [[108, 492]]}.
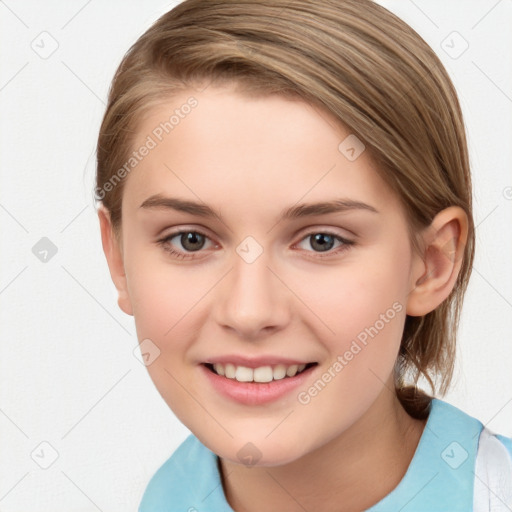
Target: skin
{"points": [[249, 158]]}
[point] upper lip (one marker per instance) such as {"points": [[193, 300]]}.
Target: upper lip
{"points": [[254, 362]]}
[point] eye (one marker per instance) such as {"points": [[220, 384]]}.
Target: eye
{"points": [[323, 242], [191, 241]]}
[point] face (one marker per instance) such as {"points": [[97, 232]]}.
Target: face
{"points": [[256, 287]]}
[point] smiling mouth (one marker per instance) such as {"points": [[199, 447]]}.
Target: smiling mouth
{"points": [[261, 374]]}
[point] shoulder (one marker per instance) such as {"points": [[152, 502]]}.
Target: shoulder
{"points": [[444, 465], [164, 484], [454, 421], [490, 455], [493, 472], [452, 418], [188, 480], [506, 441]]}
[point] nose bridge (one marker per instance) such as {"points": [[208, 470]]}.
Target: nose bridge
{"points": [[252, 298]]}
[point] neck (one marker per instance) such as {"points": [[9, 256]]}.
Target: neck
{"points": [[350, 473]]}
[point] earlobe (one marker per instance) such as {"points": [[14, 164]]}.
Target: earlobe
{"points": [[114, 256], [444, 242]]}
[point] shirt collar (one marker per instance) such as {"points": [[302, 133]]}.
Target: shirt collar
{"points": [[440, 472]]}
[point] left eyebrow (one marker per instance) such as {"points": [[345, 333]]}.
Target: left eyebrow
{"points": [[323, 208], [158, 201]]}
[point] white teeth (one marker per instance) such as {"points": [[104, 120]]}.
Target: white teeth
{"points": [[219, 369], [279, 372], [260, 374], [263, 374], [244, 374], [292, 370], [229, 370]]}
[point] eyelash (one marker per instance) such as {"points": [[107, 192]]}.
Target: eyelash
{"points": [[165, 244]]}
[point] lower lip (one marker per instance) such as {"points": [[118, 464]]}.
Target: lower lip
{"points": [[256, 393]]}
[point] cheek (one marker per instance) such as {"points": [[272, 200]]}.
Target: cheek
{"points": [[166, 303], [361, 305], [379, 329], [366, 312], [162, 296], [357, 295]]}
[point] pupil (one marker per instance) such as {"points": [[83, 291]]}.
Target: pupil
{"points": [[192, 238], [320, 239]]}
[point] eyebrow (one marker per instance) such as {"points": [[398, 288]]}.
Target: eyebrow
{"points": [[158, 201]]}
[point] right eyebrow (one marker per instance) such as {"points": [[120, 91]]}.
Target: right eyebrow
{"points": [[158, 201]]}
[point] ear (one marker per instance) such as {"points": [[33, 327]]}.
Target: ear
{"points": [[113, 252], [436, 270]]}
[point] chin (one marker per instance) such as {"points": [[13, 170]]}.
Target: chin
{"points": [[262, 453]]}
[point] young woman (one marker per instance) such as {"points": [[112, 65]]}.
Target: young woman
{"points": [[286, 212]]}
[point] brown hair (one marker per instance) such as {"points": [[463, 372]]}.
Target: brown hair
{"points": [[353, 59]]}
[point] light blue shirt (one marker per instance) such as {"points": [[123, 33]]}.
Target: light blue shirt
{"points": [[440, 477]]}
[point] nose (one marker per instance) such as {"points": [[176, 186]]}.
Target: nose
{"points": [[252, 300]]}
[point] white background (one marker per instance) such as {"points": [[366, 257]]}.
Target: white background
{"points": [[68, 376]]}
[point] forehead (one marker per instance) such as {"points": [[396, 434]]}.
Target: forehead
{"points": [[255, 154]]}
